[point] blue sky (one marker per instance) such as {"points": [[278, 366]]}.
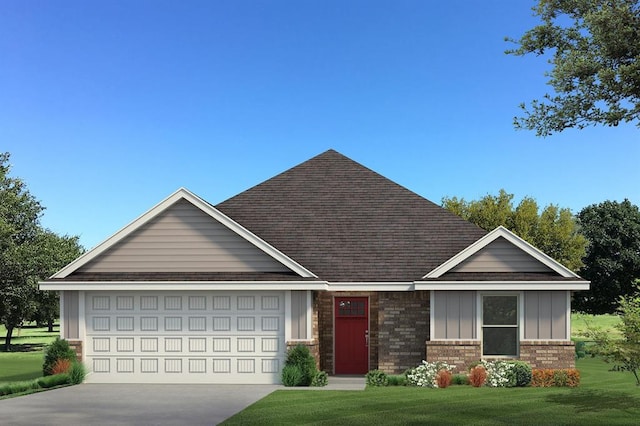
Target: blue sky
{"points": [[107, 107]]}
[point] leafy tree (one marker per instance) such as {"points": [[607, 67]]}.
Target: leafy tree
{"points": [[623, 352], [554, 230], [595, 64], [612, 263], [27, 252]]}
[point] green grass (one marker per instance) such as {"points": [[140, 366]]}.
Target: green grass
{"points": [[604, 397], [24, 362], [579, 323]]}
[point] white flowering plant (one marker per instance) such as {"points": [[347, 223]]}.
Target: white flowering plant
{"points": [[500, 374], [425, 375]]}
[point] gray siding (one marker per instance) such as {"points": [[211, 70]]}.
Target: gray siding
{"points": [[184, 239], [545, 315], [299, 315], [454, 315], [71, 312], [501, 256]]}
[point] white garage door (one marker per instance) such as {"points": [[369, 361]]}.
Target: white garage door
{"points": [[184, 337]]}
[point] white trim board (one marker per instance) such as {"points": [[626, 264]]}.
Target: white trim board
{"points": [[503, 232], [207, 208], [182, 286], [502, 285]]}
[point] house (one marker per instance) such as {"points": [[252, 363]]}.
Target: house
{"points": [[328, 254]]}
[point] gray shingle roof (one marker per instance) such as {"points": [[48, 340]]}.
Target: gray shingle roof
{"points": [[346, 223]]}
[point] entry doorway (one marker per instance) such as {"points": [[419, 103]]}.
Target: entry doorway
{"points": [[351, 335]]}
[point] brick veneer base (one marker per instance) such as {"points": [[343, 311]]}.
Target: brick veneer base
{"points": [[76, 345], [539, 353], [548, 353], [458, 354]]}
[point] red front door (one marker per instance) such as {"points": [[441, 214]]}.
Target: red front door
{"points": [[351, 335]]}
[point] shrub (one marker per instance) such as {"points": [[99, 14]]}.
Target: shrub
{"points": [[542, 378], [499, 374], [425, 374], [58, 349], [397, 379], [52, 381], [291, 375], [522, 373], [377, 378], [443, 378], [320, 379], [460, 379], [61, 366], [77, 373], [581, 349], [301, 357], [477, 376], [573, 377]]}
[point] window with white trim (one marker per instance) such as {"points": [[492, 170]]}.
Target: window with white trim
{"points": [[500, 333]]}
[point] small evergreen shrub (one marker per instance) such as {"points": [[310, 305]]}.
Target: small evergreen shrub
{"points": [[320, 379], [301, 357], [443, 378], [477, 376], [522, 373], [77, 373], [460, 379], [291, 375], [581, 349], [52, 381], [58, 349], [377, 378], [397, 379]]}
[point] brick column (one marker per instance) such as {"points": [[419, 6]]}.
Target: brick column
{"points": [[76, 345]]}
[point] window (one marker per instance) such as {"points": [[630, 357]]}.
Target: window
{"points": [[500, 334]]}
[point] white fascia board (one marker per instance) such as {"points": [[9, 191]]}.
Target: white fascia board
{"points": [[502, 285], [182, 285], [501, 231], [207, 208], [370, 286]]}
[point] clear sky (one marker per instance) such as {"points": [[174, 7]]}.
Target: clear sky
{"points": [[109, 106]]}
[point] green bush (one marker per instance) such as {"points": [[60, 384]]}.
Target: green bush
{"points": [[291, 375], [460, 379], [58, 349], [377, 378], [302, 358], [52, 381], [28, 385], [522, 373], [581, 349], [77, 373], [397, 379], [320, 379]]}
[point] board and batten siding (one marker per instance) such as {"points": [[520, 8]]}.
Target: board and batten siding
{"points": [[454, 315], [70, 299], [545, 315], [299, 315], [184, 239], [501, 256]]}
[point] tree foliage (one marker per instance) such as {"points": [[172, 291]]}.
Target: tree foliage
{"points": [[28, 253], [595, 64], [612, 263], [623, 352], [552, 230]]}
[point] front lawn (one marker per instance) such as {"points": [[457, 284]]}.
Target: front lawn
{"points": [[604, 397], [24, 362]]}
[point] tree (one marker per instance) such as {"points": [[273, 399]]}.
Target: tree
{"points": [[595, 74], [623, 352], [554, 230], [612, 263], [27, 252]]}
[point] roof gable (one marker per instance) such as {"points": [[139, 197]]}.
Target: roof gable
{"points": [[350, 224], [183, 233], [501, 251]]}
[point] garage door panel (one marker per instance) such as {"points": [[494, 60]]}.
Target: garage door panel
{"points": [[203, 337]]}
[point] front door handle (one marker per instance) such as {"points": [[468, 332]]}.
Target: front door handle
{"points": [[366, 338]]}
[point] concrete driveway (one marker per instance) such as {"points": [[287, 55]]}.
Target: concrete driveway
{"points": [[117, 404]]}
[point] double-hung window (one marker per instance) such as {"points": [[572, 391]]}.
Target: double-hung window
{"points": [[500, 335]]}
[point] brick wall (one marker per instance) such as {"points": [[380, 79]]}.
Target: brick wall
{"points": [[459, 353], [323, 305], [403, 319], [548, 353], [76, 345]]}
